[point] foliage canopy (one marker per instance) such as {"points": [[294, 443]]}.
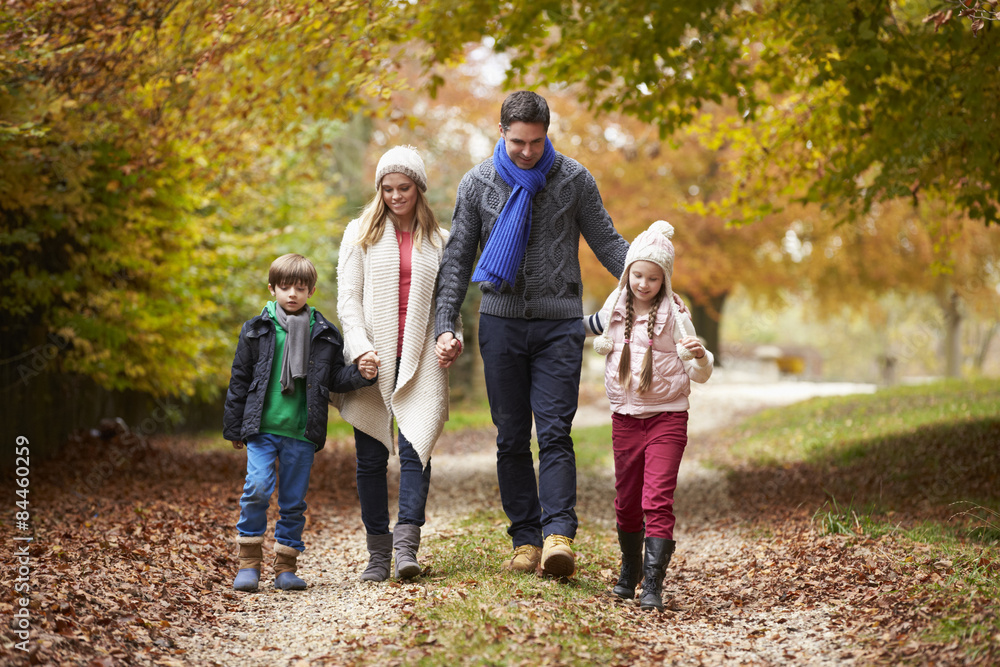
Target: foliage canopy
{"points": [[845, 102], [141, 143]]}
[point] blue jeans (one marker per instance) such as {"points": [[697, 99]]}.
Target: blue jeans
{"points": [[532, 369], [294, 460], [373, 488]]}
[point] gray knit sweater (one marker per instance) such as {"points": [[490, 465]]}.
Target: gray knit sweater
{"points": [[548, 284]]}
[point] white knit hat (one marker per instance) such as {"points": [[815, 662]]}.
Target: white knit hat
{"points": [[652, 245], [402, 160]]}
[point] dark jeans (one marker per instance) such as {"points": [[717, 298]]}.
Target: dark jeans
{"points": [[373, 488], [532, 368]]}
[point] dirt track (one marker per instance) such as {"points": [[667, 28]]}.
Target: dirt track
{"points": [[338, 611]]}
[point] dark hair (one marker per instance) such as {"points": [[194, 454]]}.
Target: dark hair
{"points": [[292, 269], [526, 107]]}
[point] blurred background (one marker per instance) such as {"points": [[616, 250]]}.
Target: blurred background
{"points": [[834, 197]]}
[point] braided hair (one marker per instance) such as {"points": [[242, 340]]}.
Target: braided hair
{"points": [[625, 363]]}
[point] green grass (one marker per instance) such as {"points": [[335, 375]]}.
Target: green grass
{"points": [[847, 425], [464, 417], [836, 519], [479, 616], [592, 445]]}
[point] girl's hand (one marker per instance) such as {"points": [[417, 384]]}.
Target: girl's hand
{"points": [[694, 345]]}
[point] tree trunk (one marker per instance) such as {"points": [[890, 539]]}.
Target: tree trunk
{"points": [[706, 318], [984, 347], [952, 335]]}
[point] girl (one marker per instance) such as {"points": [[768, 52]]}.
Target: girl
{"points": [[652, 356], [386, 273]]}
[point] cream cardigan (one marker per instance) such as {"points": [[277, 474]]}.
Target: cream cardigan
{"points": [[368, 309]]}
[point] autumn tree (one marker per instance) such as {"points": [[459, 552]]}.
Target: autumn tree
{"points": [[844, 103], [149, 151], [642, 178], [129, 128], [905, 251]]}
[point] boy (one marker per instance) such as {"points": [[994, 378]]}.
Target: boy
{"points": [[288, 359]]}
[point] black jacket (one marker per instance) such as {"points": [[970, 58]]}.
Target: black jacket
{"points": [[252, 372]]}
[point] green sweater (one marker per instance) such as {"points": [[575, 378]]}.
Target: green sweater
{"points": [[284, 414]]}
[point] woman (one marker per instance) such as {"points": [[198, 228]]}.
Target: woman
{"points": [[386, 274]]}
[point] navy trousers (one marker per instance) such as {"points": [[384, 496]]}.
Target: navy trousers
{"points": [[532, 370]]}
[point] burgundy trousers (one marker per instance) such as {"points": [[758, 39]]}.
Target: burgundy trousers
{"points": [[647, 457]]}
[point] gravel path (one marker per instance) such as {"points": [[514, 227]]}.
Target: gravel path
{"points": [[338, 612]]}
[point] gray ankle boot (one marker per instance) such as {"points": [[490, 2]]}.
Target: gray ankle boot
{"points": [[406, 540], [379, 557]]}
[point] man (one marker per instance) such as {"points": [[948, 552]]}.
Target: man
{"points": [[526, 207]]}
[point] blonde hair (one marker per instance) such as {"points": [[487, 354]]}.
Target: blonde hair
{"points": [[375, 214], [625, 363]]}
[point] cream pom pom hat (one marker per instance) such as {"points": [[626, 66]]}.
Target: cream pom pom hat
{"points": [[402, 160], [652, 245]]}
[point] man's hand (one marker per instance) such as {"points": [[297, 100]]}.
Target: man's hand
{"points": [[447, 349]]}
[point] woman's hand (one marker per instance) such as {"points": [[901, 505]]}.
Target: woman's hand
{"points": [[368, 364], [447, 349]]}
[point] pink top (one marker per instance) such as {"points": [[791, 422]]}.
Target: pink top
{"points": [[405, 240], [671, 375]]}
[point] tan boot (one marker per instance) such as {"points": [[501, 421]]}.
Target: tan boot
{"points": [[251, 554], [557, 556], [285, 565], [525, 559]]}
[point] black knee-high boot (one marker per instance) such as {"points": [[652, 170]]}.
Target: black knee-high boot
{"points": [[631, 546], [658, 553]]}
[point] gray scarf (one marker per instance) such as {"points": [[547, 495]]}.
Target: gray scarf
{"points": [[295, 356]]}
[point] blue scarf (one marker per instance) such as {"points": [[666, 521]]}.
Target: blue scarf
{"points": [[509, 237]]}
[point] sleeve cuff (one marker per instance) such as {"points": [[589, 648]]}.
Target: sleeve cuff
{"points": [[356, 343]]}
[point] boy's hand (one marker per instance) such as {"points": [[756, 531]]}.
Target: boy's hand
{"points": [[447, 349], [693, 344], [237, 444]]}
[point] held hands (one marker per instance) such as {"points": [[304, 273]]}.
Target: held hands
{"points": [[447, 349], [694, 345], [368, 364]]}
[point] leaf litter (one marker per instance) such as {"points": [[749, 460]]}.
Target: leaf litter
{"points": [[133, 557]]}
